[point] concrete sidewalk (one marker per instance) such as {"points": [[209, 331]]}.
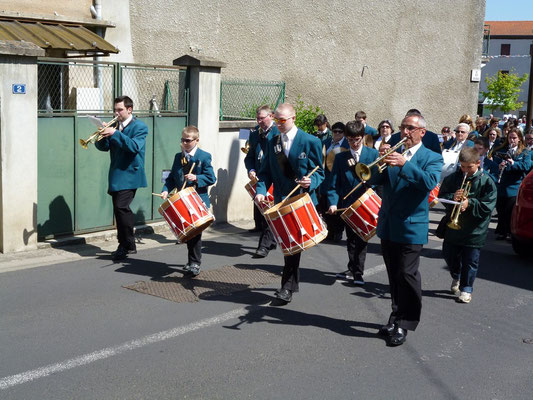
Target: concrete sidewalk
{"points": [[95, 244]]}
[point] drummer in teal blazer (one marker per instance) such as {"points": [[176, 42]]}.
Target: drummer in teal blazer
{"points": [[341, 181], [199, 177], [403, 223], [126, 145], [290, 156]]}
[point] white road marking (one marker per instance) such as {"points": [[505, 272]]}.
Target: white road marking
{"points": [[371, 271], [18, 379]]}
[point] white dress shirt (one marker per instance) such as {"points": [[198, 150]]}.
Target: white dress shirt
{"points": [[288, 139]]}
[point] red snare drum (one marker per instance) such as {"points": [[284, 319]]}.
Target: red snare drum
{"points": [[296, 224], [434, 196], [186, 214], [269, 198], [362, 215]]}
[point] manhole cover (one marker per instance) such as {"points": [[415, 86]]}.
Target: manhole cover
{"points": [[220, 281]]}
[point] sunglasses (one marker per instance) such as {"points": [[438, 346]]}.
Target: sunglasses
{"points": [[282, 120], [338, 131], [187, 140]]}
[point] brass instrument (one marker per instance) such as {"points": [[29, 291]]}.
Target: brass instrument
{"points": [[454, 217], [363, 170], [246, 147], [96, 136]]}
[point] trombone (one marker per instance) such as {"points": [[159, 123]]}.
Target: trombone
{"points": [[96, 136], [454, 217], [363, 170]]}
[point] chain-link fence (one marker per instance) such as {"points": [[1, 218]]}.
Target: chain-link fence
{"points": [[155, 88], [85, 86], [240, 98], [75, 86]]}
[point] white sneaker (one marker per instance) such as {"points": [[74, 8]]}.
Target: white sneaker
{"points": [[455, 287], [465, 297]]}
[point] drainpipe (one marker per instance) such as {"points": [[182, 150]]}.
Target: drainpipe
{"points": [[96, 12]]}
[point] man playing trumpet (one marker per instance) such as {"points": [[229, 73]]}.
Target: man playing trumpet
{"points": [[403, 222], [461, 247]]}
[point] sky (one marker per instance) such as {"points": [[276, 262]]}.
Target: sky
{"points": [[509, 10]]}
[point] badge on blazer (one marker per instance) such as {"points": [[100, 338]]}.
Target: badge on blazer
{"points": [[277, 149], [351, 162], [302, 156]]}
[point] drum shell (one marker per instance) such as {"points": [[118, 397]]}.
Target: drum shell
{"points": [[362, 215], [186, 214], [433, 198], [296, 224], [269, 198]]}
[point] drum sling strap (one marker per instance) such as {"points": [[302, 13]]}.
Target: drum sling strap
{"points": [[283, 161], [184, 164]]}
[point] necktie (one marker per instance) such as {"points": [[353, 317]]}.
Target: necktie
{"points": [[286, 143], [408, 155], [356, 157], [187, 157]]}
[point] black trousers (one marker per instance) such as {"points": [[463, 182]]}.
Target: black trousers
{"points": [[504, 207], [290, 278], [258, 217], [124, 217], [194, 250], [402, 261], [266, 240], [356, 252]]}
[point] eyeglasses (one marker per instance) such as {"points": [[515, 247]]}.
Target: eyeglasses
{"points": [[409, 128], [445, 131], [385, 126], [282, 120], [354, 139], [187, 140], [338, 131]]}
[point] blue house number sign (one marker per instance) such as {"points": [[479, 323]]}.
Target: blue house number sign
{"points": [[19, 88]]}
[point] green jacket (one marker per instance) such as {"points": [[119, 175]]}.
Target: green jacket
{"points": [[474, 221]]}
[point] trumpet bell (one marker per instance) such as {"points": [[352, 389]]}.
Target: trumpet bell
{"points": [[84, 143], [363, 171], [454, 225]]}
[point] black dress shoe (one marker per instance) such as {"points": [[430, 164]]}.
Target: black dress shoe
{"points": [[387, 330], [120, 254], [285, 295], [262, 252], [121, 249], [398, 337]]}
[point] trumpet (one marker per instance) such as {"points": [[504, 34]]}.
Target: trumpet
{"points": [[363, 170], [246, 147], [96, 136], [456, 211]]}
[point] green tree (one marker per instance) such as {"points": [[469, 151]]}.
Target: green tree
{"points": [[503, 90], [305, 115]]}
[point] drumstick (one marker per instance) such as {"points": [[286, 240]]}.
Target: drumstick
{"points": [[185, 180], [341, 209], [297, 186], [157, 194], [353, 190]]}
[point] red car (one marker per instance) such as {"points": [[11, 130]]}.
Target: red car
{"points": [[522, 219]]}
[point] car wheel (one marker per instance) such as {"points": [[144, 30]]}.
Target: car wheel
{"points": [[519, 247]]}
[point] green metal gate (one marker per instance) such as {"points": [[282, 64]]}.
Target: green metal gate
{"points": [[72, 182]]}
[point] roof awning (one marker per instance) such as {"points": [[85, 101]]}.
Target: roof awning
{"points": [[72, 40]]}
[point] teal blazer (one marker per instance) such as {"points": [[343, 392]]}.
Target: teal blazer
{"points": [[127, 156], [343, 178], [256, 153], [304, 156], [203, 170], [404, 213], [513, 174]]}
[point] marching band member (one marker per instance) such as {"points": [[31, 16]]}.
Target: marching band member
{"points": [[430, 140], [322, 128], [126, 146], [342, 180], [200, 178], [461, 247], [385, 133], [494, 137], [486, 165], [258, 139], [514, 163], [403, 223], [290, 156], [332, 147]]}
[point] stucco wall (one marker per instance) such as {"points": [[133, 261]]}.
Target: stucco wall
{"points": [[67, 8], [417, 53]]}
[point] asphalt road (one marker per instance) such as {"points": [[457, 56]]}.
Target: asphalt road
{"points": [[69, 330]]}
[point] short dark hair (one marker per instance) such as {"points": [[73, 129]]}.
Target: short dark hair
{"points": [[354, 128], [482, 141], [468, 155], [413, 111], [338, 125], [360, 114], [128, 102], [320, 120]]}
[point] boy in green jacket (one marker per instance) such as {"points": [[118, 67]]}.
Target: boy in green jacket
{"points": [[462, 246]]}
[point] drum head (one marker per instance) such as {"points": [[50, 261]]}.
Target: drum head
{"points": [[286, 207]]}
